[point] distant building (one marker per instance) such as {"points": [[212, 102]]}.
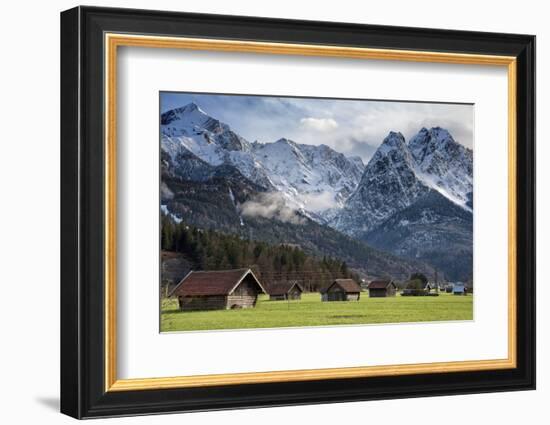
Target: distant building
{"points": [[382, 288], [459, 289], [285, 291], [218, 290], [430, 286], [342, 290]]}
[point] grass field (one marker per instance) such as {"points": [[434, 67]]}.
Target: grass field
{"points": [[310, 311]]}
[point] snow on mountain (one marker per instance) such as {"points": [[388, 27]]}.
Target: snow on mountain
{"points": [[443, 164], [316, 178], [164, 209], [399, 173], [313, 179], [335, 169], [190, 130], [389, 184], [191, 121]]}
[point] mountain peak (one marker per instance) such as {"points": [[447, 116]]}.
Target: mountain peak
{"points": [[393, 134], [394, 141], [434, 132], [190, 108], [191, 111], [284, 140], [440, 133], [436, 138], [394, 138], [443, 163]]}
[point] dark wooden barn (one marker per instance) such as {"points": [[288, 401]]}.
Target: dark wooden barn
{"points": [[342, 290], [218, 290], [382, 288], [285, 291]]}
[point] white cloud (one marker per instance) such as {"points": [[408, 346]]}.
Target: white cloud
{"points": [[318, 202], [271, 205], [318, 124]]}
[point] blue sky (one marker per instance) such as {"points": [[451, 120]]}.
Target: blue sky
{"points": [[353, 127]]}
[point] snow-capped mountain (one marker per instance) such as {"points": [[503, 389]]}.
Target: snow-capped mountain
{"points": [[190, 121], [399, 174], [388, 185], [443, 164], [189, 130], [313, 179], [317, 178], [415, 200]]}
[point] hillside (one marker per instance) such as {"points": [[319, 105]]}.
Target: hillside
{"points": [[422, 229], [188, 248]]}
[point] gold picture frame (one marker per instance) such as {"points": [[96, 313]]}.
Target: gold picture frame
{"points": [[114, 41]]}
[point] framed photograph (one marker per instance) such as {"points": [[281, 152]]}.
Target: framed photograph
{"points": [[261, 212]]}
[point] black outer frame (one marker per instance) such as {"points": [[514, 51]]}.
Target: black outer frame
{"points": [[82, 212]]}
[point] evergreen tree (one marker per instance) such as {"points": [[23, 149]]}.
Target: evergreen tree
{"points": [[212, 250], [419, 276]]}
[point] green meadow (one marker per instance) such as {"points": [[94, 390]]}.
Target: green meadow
{"points": [[310, 311]]}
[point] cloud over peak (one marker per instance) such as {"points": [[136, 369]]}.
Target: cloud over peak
{"points": [[318, 124]]}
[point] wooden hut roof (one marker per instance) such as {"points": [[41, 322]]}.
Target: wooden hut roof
{"points": [[380, 284], [348, 285], [283, 288], [219, 282]]}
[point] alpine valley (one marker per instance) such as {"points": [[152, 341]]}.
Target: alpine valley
{"points": [[408, 210]]}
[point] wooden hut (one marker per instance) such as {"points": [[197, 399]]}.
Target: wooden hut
{"points": [[382, 288], [430, 286], [285, 291], [342, 290], [218, 290]]}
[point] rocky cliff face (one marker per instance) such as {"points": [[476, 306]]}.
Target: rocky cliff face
{"points": [[415, 199], [444, 164], [388, 185]]}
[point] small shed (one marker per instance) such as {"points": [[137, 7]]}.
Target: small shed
{"points": [[430, 286], [218, 290], [285, 291], [459, 289], [382, 288], [342, 290]]}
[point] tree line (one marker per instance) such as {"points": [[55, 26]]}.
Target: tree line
{"points": [[212, 250]]}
